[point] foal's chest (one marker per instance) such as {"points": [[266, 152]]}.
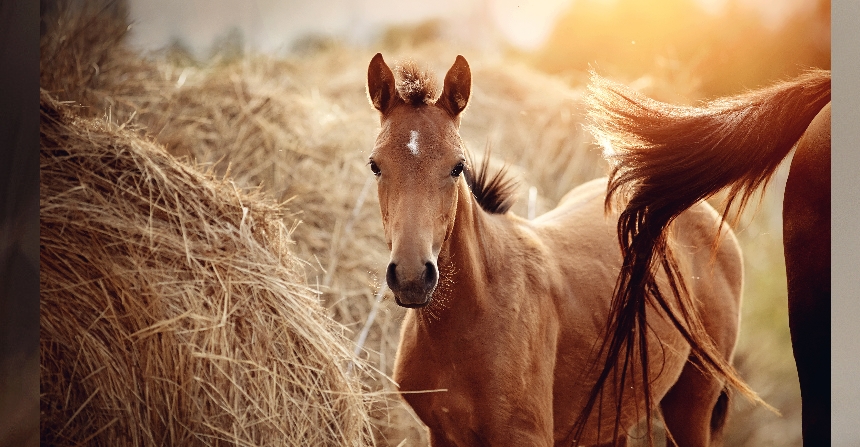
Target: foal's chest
{"points": [[469, 394], [442, 399]]}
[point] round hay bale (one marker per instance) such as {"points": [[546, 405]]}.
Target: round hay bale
{"points": [[172, 312]]}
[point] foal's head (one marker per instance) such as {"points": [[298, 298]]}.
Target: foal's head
{"points": [[418, 159]]}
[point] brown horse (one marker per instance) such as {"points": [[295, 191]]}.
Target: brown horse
{"points": [[508, 314], [670, 158]]}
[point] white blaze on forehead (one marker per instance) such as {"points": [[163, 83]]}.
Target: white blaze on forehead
{"points": [[413, 142]]}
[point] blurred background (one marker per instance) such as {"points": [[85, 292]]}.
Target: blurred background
{"points": [[273, 93], [719, 46]]}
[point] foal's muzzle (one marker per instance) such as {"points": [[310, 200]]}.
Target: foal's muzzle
{"points": [[414, 292]]}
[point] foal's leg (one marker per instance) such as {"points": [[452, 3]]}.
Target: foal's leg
{"points": [[695, 409]]}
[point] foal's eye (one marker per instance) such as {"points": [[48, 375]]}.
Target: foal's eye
{"points": [[374, 168], [458, 169]]}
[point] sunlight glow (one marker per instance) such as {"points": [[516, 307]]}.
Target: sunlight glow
{"points": [[272, 26]]}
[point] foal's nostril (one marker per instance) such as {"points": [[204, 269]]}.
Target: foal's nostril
{"points": [[430, 276], [391, 276]]}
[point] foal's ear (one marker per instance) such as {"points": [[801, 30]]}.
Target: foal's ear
{"points": [[380, 84], [458, 84]]}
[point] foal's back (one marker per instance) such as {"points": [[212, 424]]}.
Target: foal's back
{"points": [[584, 242]]}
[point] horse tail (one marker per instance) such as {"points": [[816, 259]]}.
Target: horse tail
{"points": [[665, 159]]}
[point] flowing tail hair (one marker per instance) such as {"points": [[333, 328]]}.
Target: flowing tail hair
{"points": [[664, 159]]}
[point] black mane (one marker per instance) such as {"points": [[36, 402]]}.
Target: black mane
{"points": [[495, 194]]}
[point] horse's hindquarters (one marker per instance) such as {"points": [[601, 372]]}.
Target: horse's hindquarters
{"points": [[806, 233]]}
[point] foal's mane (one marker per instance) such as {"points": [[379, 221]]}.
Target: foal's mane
{"points": [[494, 193]]}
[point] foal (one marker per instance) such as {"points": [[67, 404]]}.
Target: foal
{"points": [[508, 314]]}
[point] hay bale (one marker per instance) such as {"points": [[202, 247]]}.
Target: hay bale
{"points": [[81, 48], [172, 311]]}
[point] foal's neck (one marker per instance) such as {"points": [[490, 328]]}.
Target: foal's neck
{"points": [[467, 263]]}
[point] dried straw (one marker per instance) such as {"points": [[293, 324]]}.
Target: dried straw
{"points": [[173, 312]]}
